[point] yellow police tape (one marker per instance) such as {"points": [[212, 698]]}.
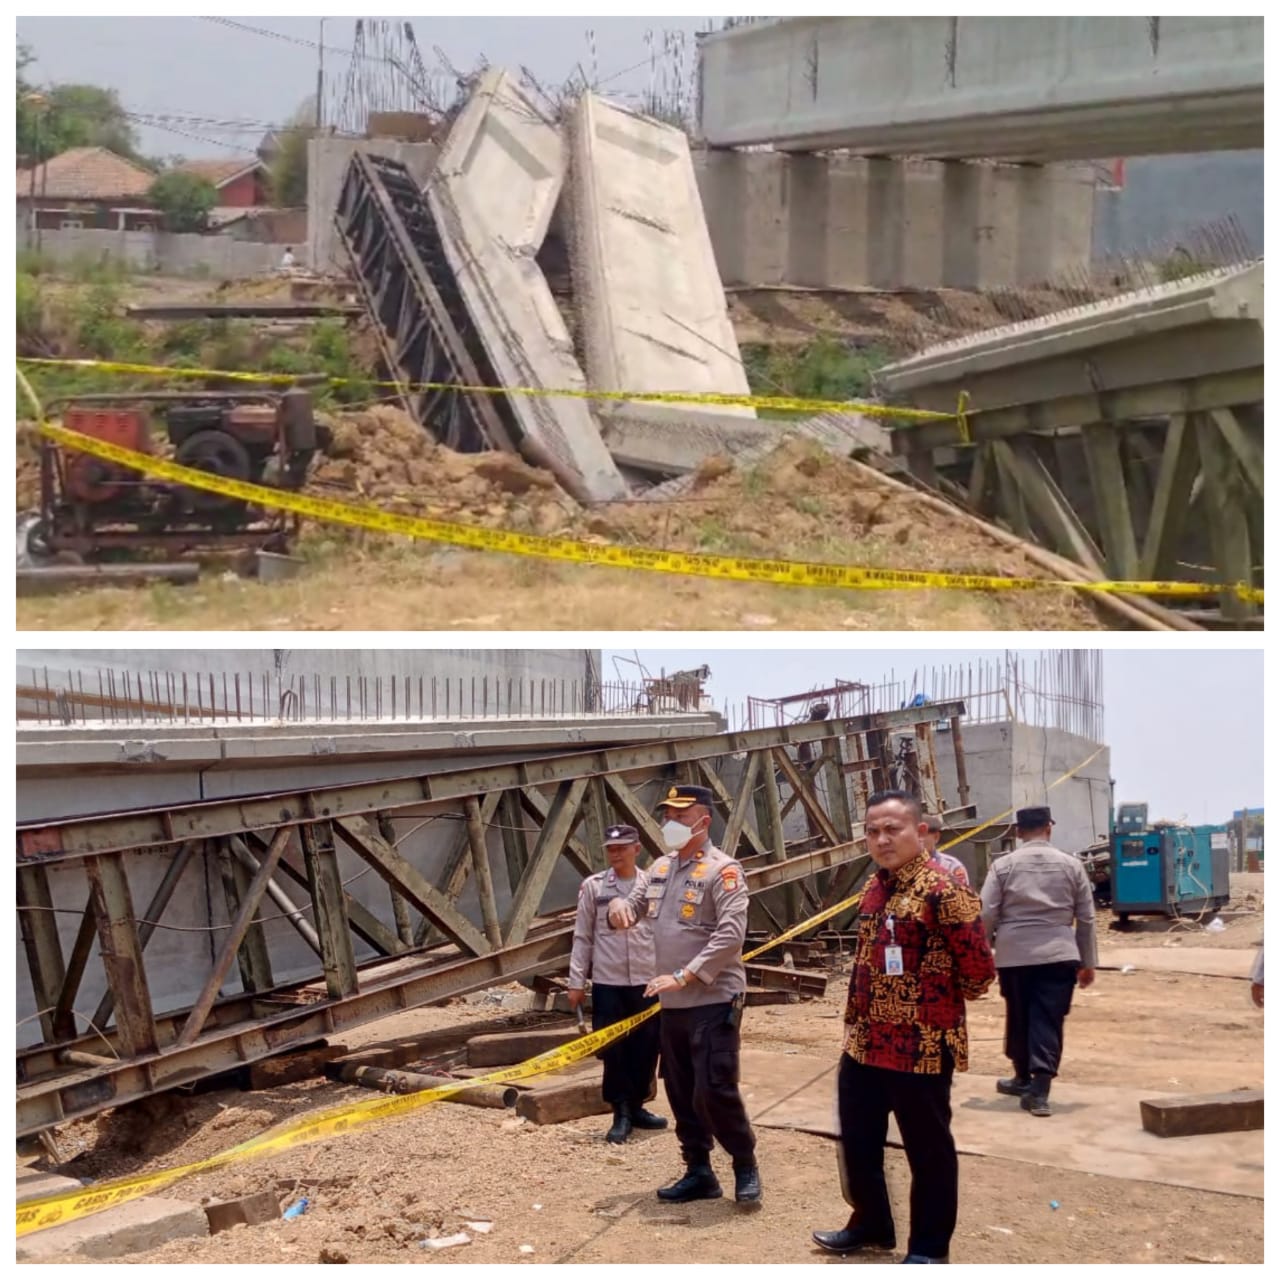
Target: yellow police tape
{"points": [[793, 573], [790, 403]]}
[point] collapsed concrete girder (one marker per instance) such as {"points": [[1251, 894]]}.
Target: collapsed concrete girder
{"points": [[493, 193]]}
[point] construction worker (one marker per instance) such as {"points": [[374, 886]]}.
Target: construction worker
{"points": [[1037, 905], [619, 965], [931, 839], [696, 901], [920, 953]]}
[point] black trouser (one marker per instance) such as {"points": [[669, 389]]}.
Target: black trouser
{"points": [[921, 1104], [700, 1070], [1037, 999], [629, 1063]]}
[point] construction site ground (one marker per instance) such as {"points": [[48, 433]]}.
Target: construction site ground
{"points": [[799, 504], [568, 1196]]}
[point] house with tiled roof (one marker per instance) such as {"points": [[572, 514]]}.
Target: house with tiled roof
{"points": [[86, 187], [241, 184]]}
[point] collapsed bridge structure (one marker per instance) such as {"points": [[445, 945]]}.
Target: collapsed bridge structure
{"points": [[475, 835]]}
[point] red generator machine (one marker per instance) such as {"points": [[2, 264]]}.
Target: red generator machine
{"points": [[89, 505]]}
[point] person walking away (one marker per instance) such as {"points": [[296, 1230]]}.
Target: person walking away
{"points": [[1255, 981], [1037, 904], [919, 954], [619, 964], [932, 838], [696, 902]]}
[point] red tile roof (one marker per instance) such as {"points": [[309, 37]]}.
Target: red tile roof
{"points": [[87, 173], [219, 172]]}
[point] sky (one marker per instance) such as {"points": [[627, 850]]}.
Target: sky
{"points": [[221, 84], [1184, 727]]}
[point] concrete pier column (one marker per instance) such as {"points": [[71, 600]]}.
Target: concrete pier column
{"points": [[808, 208]]}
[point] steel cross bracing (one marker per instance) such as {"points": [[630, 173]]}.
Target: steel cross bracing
{"points": [[410, 293], [501, 831]]}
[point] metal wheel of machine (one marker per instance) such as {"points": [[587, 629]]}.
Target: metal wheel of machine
{"points": [[33, 547], [221, 455]]}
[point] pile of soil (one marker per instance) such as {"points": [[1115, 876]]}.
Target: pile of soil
{"points": [[381, 457]]}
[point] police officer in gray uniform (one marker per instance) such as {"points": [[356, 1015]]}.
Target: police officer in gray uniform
{"points": [[620, 965], [696, 901]]}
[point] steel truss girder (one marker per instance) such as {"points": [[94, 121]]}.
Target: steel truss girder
{"points": [[80, 837], [410, 293], [235, 1035]]}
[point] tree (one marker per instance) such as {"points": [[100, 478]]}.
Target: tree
{"points": [[288, 178], [51, 121], [184, 199]]}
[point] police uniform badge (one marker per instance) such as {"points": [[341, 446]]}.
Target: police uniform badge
{"points": [[687, 911], [729, 879], [691, 895], [699, 870]]}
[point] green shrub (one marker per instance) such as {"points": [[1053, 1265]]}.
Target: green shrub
{"points": [[824, 369], [30, 310]]}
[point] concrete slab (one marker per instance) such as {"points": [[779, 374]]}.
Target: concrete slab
{"points": [[34, 1183], [1023, 88], [1094, 1129], [645, 277], [116, 1233], [672, 440], [1209, 962], [493, 193]]}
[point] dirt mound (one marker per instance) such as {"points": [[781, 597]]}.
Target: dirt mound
{"points": [[381, 456]]}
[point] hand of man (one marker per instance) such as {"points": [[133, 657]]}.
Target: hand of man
{"points": [[1255, 990], [1086, 976], [576, 996], [621, 915], [663, 982]]}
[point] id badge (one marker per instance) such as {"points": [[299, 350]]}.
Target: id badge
{"points": [[893, 961]]}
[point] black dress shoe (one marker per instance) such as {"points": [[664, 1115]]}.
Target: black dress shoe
{"points": [[1013, 1086], [852, 1239], [642, 1119], [1037, 1104], [698, 1183], [746, 1185], [621, 1130], [920, 1257]]}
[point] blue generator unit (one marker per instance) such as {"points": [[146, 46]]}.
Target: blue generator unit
{"points": [[1164, 869]]}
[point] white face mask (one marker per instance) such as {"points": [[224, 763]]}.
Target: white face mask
{"points": [[676, 835]]}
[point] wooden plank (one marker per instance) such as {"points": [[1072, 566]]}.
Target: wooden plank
{"points": [[759, 995], [570, 1100], [1178, 466], [249, 900], [1226, 497], [1196, 1113], [247, 1211], [503, 1048], [392, 866], [551, 841], [39, 927], [121, 953], [1111, 498], [482, 872], [329, 903], [290, 1068]]}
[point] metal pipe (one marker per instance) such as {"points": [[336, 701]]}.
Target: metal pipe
{"points": [[286, 904], [497, 1096]]}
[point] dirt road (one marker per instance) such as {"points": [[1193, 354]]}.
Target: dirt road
{"points": [[571, 1197]]}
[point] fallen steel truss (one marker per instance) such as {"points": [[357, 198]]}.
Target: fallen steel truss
{"points": [[409, 291], [503, 834]]}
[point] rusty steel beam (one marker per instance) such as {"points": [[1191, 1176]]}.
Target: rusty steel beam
{"points": [[121, 953], [39, 928], [82, 837]]}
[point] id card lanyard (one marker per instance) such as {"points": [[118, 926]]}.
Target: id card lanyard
{"points": [[893, 952]]}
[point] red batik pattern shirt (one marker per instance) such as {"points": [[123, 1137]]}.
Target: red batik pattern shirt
{"points": [[904, 1021]]}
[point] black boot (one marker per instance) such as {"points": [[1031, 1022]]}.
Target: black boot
{"points": [[1036, 1098], [643, 1119], [746, 1185], [621, 1130], [698, 1183], [1013, 1086], [853, 1239]]}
